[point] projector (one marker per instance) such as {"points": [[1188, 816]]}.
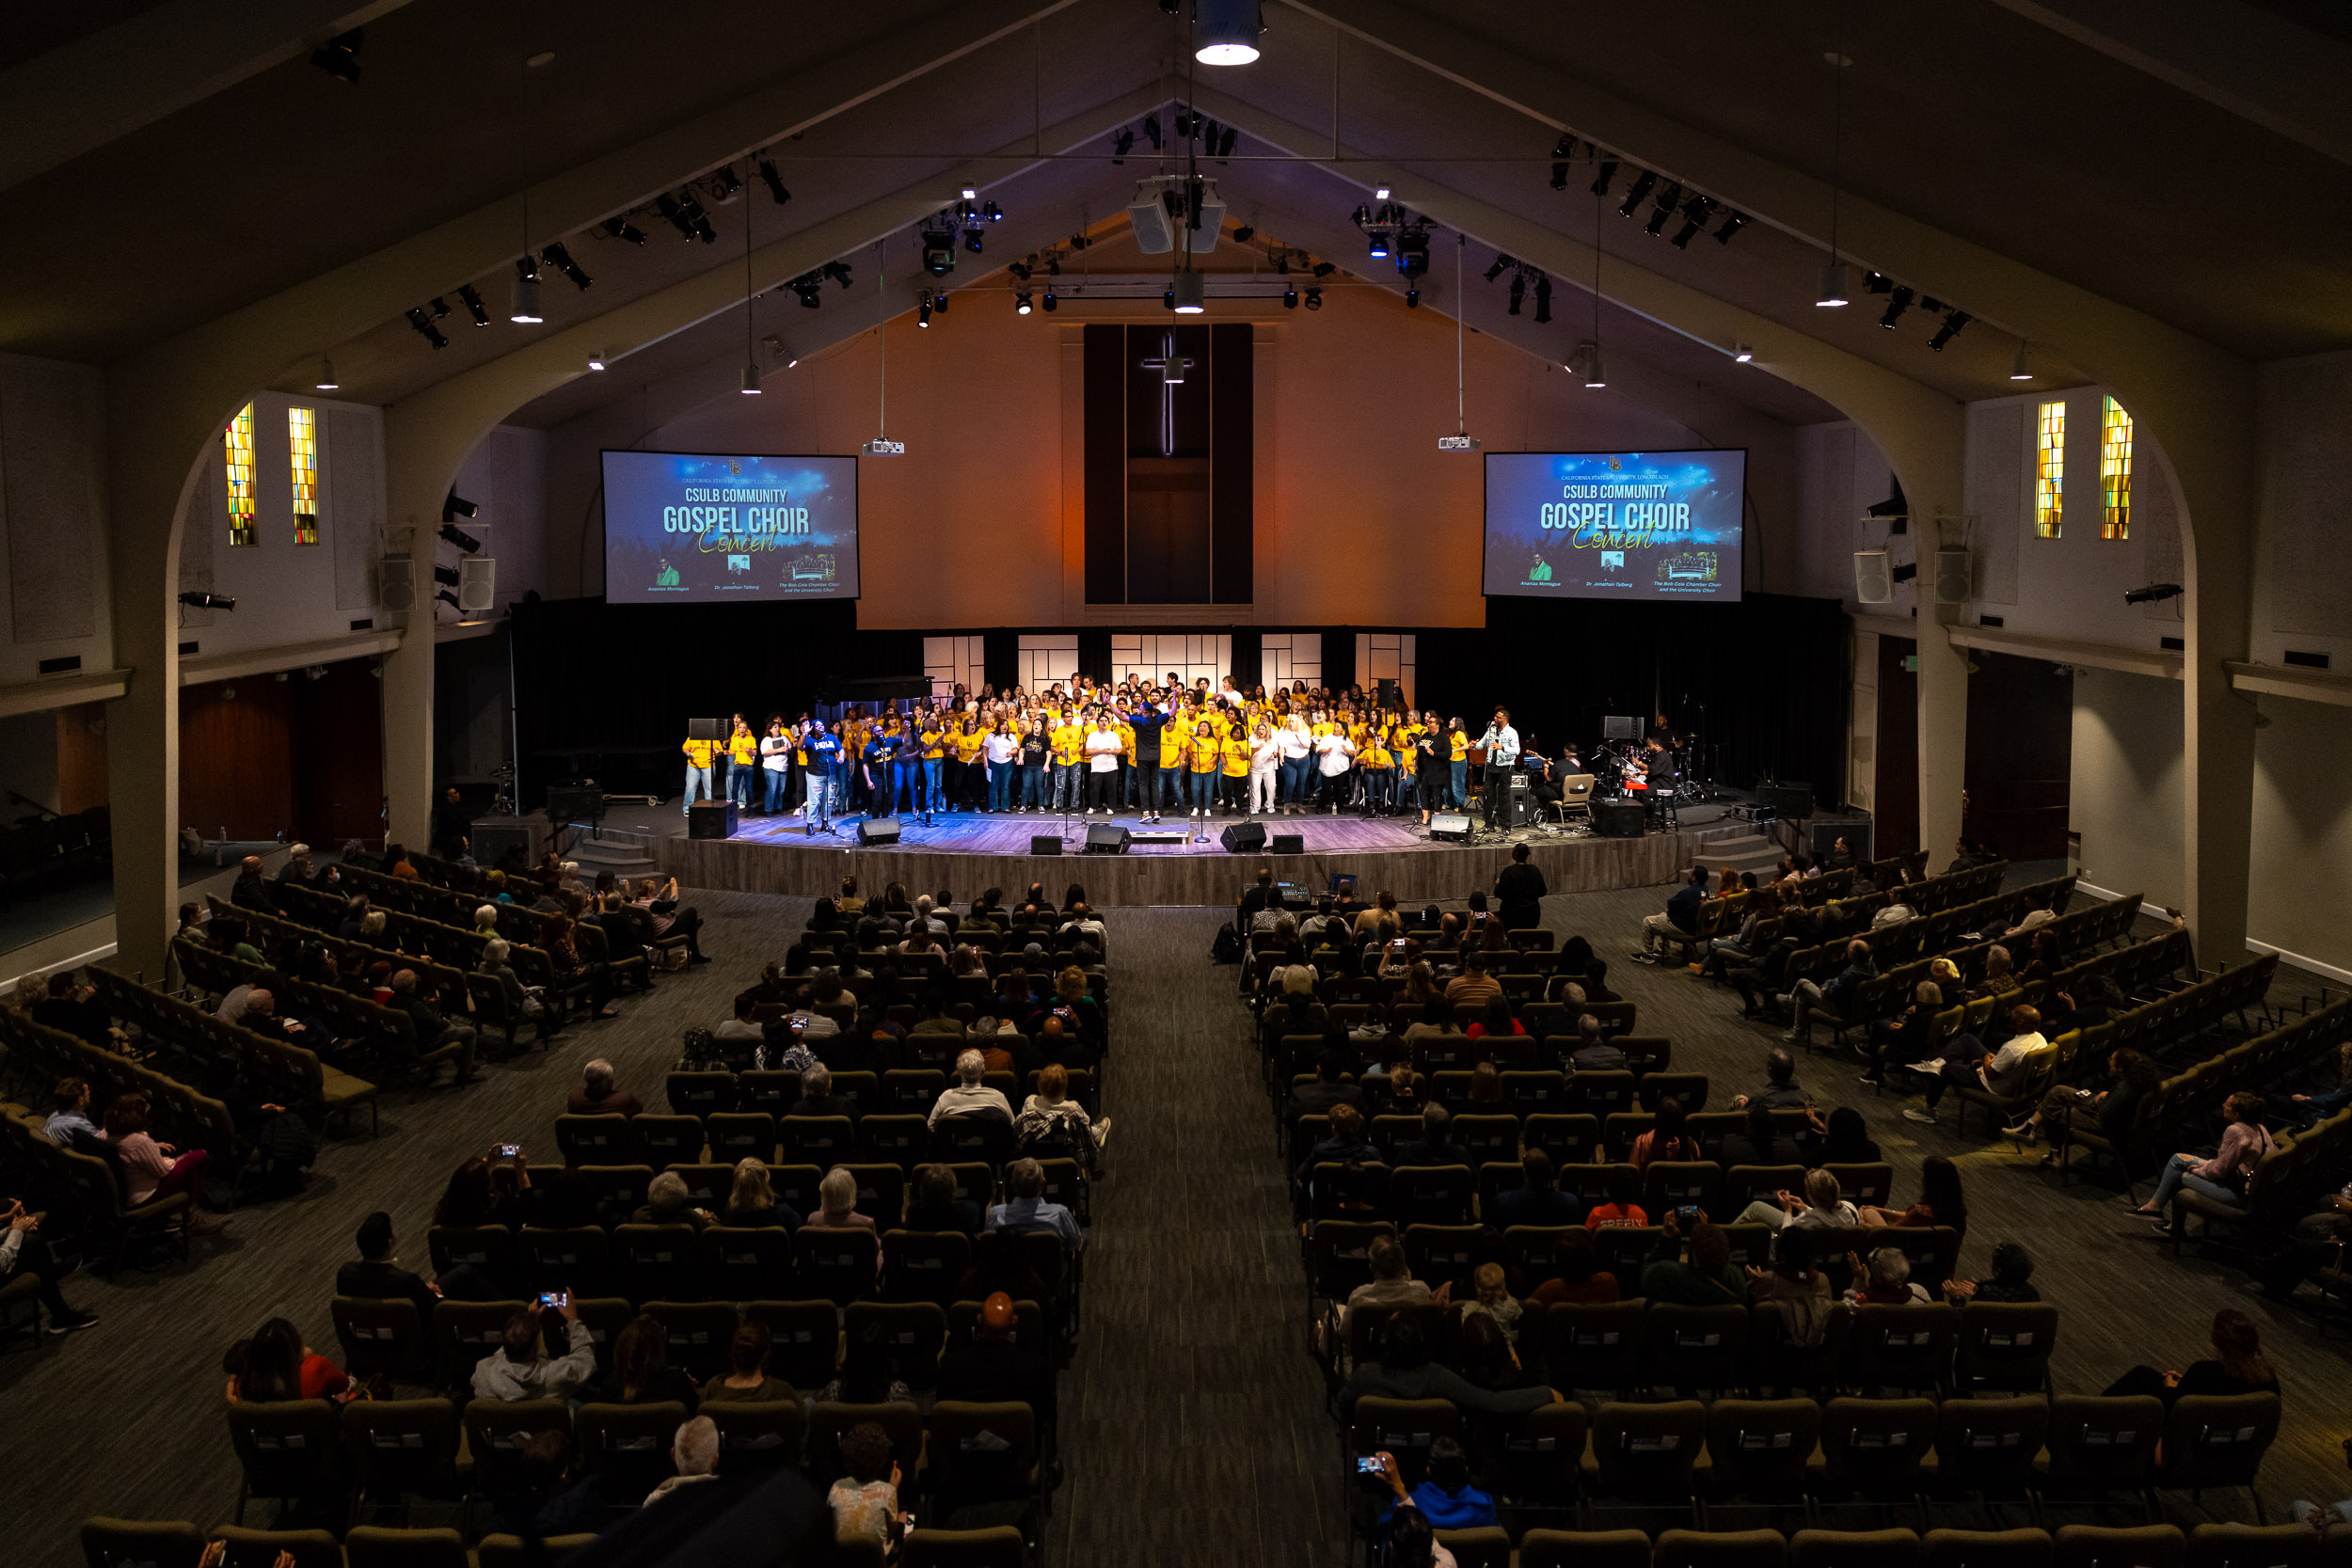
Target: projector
{"points": [[880, 447], [1458, 443]]}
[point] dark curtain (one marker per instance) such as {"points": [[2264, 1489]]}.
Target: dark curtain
{"points": [[1233, 445], [1000, 657], [1248, 667], [1094, 652], [1339, 657], [1763, 679]]}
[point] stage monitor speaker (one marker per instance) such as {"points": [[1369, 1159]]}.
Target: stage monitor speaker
{"points": [[569, 803], [493, 836], [1244, 838], [1620, 726], [710, 819], [1286, 844], [1044, 843], [1391, 695], [1520, 809], [1105, 838], [396, 584], [1822, 834], [1873, 577], [878, 830], [1793, 800], [1449, 827], [477, 584], [1618, 819], [706, 729], [1953, 576]]}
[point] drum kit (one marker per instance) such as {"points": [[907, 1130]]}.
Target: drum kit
{"points": [[1642, 771]]}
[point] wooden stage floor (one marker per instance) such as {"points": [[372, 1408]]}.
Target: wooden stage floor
{"points": [[966, 852]]}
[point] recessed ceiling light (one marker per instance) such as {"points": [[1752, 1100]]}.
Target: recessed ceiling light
{"points": [[1743, 353], [1380, 193], [970, 194]]}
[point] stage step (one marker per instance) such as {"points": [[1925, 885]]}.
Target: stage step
{"points": [[611, 854], [1742, 852]]}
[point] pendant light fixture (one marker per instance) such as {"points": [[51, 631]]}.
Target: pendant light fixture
{"points": [[1588, 352], [1837, 281], [751, 355], [1190, 300], [327, 382], [1461, 440], [2021, 367], [522, 298], [882, 445], [1225, 32]]}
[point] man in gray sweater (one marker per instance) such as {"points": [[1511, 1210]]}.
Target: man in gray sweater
{"points": [[519, 1370]]}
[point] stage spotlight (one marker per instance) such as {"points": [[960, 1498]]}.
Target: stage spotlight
{"points": [[1586, 362], [1022, 304], [1543, 300], [1608, 172], [1695, 213], [674, 213], [456, 505], [2021, 367], [1123, 143], [209, 601], [725, 183], [561, 259], [1897, 303], [939, 302], [1079, 242], [774, 181], [1324, 269], [837, 271], [1501, 264], [1151, 131], [1225, 32], [939, 251], [1731, 225], [1637, 193], [993, 212], [1020, 270], [522, 300], [1905, 572], [923, 311], [472, 297], [339, 56], [807, 288], [445, 596], [1412, 298], [972, 236], [424, 324], [1951, 329], [1225, 143], [1518, 291], [621, 229], [1290, 298], [1412, 252], [595, 361], [1878, 282], [1315, 299], [1668, 199], [446, 576], [1245, 233], [438, 305], [1836, 283], [2155, 593], [1189, 297], [1050, 303], [1376, 243], [466, 542]]}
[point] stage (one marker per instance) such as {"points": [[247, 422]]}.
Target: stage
{"points": [[965, 853]]}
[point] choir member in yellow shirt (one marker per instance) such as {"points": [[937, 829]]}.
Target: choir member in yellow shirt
{"points": [[698, 758]]}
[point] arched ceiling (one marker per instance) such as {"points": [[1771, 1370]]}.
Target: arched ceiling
{"points": [[2115, 165]]}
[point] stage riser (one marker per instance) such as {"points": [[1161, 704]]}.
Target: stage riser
{"points": [[1415, 876]]}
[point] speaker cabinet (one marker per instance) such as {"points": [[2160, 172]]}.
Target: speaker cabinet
{"points": [[710, 819], [1873, 576], [1105, 838], [1244, 838], [1449, 827], [706, 729], [1286, 844], [570, 803], [396, 582], [1954, 579], [493, 836], [1618, 819], [878, 830], [477, 584], [1794, 801], [1044, 843]]}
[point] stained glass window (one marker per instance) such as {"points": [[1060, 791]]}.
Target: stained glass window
{"points": [[2049, 483], [302, 462], [2114, 471], [236, 450]]}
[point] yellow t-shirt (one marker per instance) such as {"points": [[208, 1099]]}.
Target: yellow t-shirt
{"points": [[1068, 741], [1461, 746], [968, 744], [743, 746], [1172, 749], [1201, 751], [1377, 755], [1126, 733], [699, 752], [934, 746], [1236, 753]]}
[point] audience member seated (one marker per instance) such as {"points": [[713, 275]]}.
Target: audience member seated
{"points": [[991, 1367], [151, 1169], [2012, 1279], [1345, 1141], [2223, 1178], [1539, 1199], [746, 1379], [1680, 920], [1883, 1280], [1026, 1207], [1404, 1371], [2001, 1072], [695, 1451], [1845, 1140], [968, 1096], [75, 1010], [599, 1094], [1579, 1276], [1594, 1053], [2238, 1365], [742, 1026], [937, 1205], [864, 1501], [1492, 1300], [548, 1500], [824, 991], [1820, 1204], [1445, 1496], [817, 1099], [1908, 1037], [1838, 996], [868, 1374], [1940, 1201], [1391, 1283], [1667, 1138], [1796, 1291], [1052, 1124], [2316, 1239], [525, 1003], [656, 902], [1495, 1019], [276, 1366], [1762, 1143], [837, 1203], [2112, 1113], [376, 1275], [1469, 991], [519, 1370], [2298, 1111], [667, 1202], [432, 1030], [251, 890], [1707, 1278], [642, 1373], [69, 1125], [1624, 1207], [23, 1252], [753, 1201], [1436, 1146]]}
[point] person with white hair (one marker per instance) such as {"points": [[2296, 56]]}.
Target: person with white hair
{"points": [[837, 1203], [485, 918], [601, 1094], [927, 917], [522, 1002], [298, 867], [695, 1452], [968, 1096]]}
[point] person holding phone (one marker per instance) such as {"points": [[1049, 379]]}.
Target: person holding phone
{"points": [[22, 1251], [520, 1370]]}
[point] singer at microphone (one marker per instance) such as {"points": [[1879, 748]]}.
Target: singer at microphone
{"points": [[1503, 754]]}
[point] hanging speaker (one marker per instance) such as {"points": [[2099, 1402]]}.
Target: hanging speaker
{"points": [[396, 582], [477, 584], [1873, 578], [1952, 576]]}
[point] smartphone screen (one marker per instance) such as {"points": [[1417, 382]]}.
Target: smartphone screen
{"points": [[1366, 1465], [507, 1152]]}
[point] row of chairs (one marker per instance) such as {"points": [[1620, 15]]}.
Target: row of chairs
{"points": [[111, 1543], [2210, 1545], [442, 984], [900, 1138], [708, 1092], [1570, 1138], [1521, 1092], [1453, 1193], [38, 1057], [50, 850], [1795, 1453], [91, 1190]]}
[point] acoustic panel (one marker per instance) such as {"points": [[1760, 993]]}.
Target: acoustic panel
{"points": [[48, 447], [354, 523]]}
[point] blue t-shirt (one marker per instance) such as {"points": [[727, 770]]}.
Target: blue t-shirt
{"points": [[1468, 1508], [824, 752], [877, 752]]}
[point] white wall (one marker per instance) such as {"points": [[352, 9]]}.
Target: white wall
{"points": [[2305, 511], [2128, 784], [506, 478], [2303, 848], [1840, 475], [53, 599], [287, 592]]}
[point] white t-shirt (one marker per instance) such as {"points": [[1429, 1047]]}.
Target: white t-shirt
{"points": [[1336, 748], [775, 752], [1106, 760], [1264, 753], [1293, 739], [1000, 748]]}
